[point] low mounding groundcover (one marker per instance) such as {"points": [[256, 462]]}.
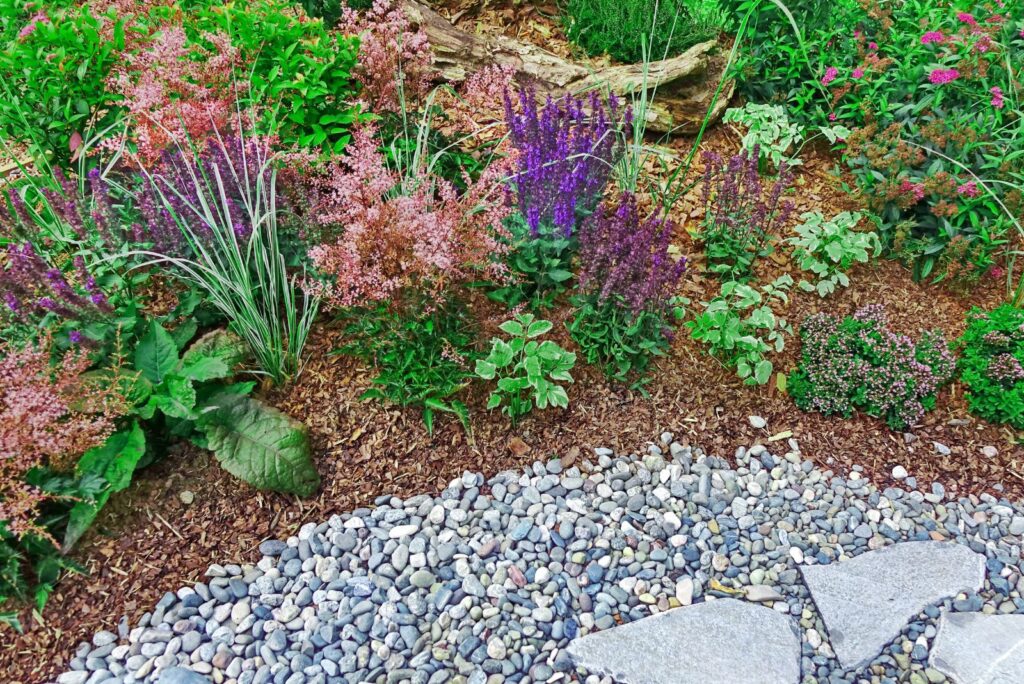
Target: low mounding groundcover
{"points": [[262, 261]]}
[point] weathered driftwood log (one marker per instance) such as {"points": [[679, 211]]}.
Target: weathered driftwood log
{"points": [[685, 84]]}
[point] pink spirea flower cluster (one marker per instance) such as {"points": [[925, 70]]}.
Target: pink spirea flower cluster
{"points": [[914, 189], [932, 37], [170, 96], [965, 18], [830, 75], [997, 97], [44, 422], [400, 233], [942, 76], [968, 189], [394, 60], [33, 23]]}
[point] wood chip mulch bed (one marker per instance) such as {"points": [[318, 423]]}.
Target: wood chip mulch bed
{"points": [[149, 540]]}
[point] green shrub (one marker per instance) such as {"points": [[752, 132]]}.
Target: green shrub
{"points": [[421, 361], [526, 370], [770, 130], [619, 28], [740, 328], [991, 364], [829, 248], [54, 85], [539, 266]]}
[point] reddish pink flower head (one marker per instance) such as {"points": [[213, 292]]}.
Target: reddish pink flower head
{"points": [[997, 97], [968, 189], [858, 73], [932, 37], [830, 75], [966, 18], [941, 76]]}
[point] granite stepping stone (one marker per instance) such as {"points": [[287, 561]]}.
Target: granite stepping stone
{"points": [[866, 601], [722, 640], [973, 648]]}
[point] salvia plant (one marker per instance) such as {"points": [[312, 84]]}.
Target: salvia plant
{"points": [[741, 211], [859, 363], [626, 304], [566, 151]]}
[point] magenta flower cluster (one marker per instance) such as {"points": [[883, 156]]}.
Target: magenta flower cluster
{"points": [[943, 76], [565, 152], [858, 363], [626, 258]]}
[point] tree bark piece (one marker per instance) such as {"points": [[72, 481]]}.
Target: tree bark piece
{"points": [[685, 85]]}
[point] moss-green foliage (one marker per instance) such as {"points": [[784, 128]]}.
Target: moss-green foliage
{"points": [[330, 10], [991, 361], [620, 27]]}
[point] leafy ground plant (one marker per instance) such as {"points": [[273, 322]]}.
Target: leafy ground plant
{"points": [[858, 363], [631, 30], [769, 129], [527, 370], [991, 364], [740, 328], [540, 265], [421, 361], [828, 249]]}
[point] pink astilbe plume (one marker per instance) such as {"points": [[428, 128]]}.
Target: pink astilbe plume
{"points": [[175, 91], [479, 101], [400, 235], [389, 51], [48, 417]]}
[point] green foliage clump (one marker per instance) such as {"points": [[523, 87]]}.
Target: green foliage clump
{"points": [[770, 130], [526, 369], [625, 29], [540, 265], [829, 248], [991, 364], [740, 328], [421, 360]]}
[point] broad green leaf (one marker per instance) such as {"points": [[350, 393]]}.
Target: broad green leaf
{"points": [[538, 328], [205, 368], [763, 371], [156, 355], [115, 461], [260, 445], [220, 344], [485, 369], [513, 328]]}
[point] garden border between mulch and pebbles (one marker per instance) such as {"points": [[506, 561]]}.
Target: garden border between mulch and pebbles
{"points": [[491, 581]]}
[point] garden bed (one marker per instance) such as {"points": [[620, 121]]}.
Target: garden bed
{"points": [[354, 221]]}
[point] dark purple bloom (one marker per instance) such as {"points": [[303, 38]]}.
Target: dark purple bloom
{"points": [[627, 258], [566, 152]]}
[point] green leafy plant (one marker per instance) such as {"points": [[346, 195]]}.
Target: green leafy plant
{"points": [[540, 266], [740, 328], [769, 128], [991, 364], [629, 30], [527, 370], [422, 361], [829, 248]]}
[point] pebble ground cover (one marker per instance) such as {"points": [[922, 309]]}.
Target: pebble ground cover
{"points": [[347, 361]]}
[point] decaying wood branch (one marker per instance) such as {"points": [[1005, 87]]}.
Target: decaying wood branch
{"points": [[685, 84]]}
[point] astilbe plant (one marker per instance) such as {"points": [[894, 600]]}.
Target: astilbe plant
{"points": [[174, 91], [741, 211], [394, 59], [992, 364], [48, 417], [858, 363], [626, 290], [565, 152], [413, 235]]}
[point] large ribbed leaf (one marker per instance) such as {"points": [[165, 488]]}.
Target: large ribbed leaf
{"points": [[259, 444]]}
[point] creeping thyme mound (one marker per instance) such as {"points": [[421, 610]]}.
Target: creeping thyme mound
{"points": [[858, 363], [992, 364]]}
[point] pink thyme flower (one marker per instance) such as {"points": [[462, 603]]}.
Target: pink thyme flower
{"points": [[966, 18], [940, 76], [830, 75], [970, 189], [858, 73], [932, 37], [997, 97]]}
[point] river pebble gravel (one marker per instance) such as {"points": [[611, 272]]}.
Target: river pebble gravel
{"points": [[491, 580]]}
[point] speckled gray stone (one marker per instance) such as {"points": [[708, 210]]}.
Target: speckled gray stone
{"points": [[717, 641], [866, 601], [973, 648]]}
